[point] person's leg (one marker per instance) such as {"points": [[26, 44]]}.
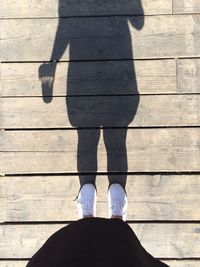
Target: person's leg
{"points": [[87, 168], [115, 141]]}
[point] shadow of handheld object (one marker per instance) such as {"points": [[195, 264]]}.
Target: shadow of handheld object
{"points": [[47, 77]]}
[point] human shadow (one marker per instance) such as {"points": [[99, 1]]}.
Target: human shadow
{"points": [[108, 98]]}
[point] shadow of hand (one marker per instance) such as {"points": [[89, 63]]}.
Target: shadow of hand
{"points": [[47, 76]]}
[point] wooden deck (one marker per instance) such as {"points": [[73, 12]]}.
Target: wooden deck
{"points": [[138, 63]]}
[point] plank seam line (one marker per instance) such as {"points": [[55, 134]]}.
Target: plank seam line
{"points": [[89, 60], [172, 5], [180, 259], [162, 259], [172, 222], [100, 16], [38, 151], [168, 173], [177, 78], [103, 128], [103, 60], [14, 259], [92, 60], [103, 95], [182, 13]]}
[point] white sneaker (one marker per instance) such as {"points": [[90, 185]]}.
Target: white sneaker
{"points": [[117, 201], [86, 201]]}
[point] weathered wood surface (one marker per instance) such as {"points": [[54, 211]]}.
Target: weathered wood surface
{"points": [[38, 9], [56, 151], [95, 111], [115, 34], [160, 239], [116, 77], [188, 75], [186, 6], [151, 197], [101, 38], [14, 263], [171, 263]]}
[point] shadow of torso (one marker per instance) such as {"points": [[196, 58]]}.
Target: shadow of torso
{"points": [[110, 40], [109, 96]]}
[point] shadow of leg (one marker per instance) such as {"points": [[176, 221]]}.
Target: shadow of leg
{"points": [[87, 155], [115, 142]]}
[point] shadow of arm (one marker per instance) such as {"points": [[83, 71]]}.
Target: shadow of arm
{"points": [[47, 70], [61, 41], [138, 21]]}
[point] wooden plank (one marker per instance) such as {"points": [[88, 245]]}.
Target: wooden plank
{"points": [[182, 263], [161, 240], [38, 9], [95, 38], [95, 111], [92, 78], [171, 263], [186, 6], [13, 263], [56, 151], [66, 141], [150, 197], [188, 75]]}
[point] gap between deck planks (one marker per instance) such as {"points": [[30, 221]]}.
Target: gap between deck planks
{"points": [[101, 38], [150, 197], [37, 9]]}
